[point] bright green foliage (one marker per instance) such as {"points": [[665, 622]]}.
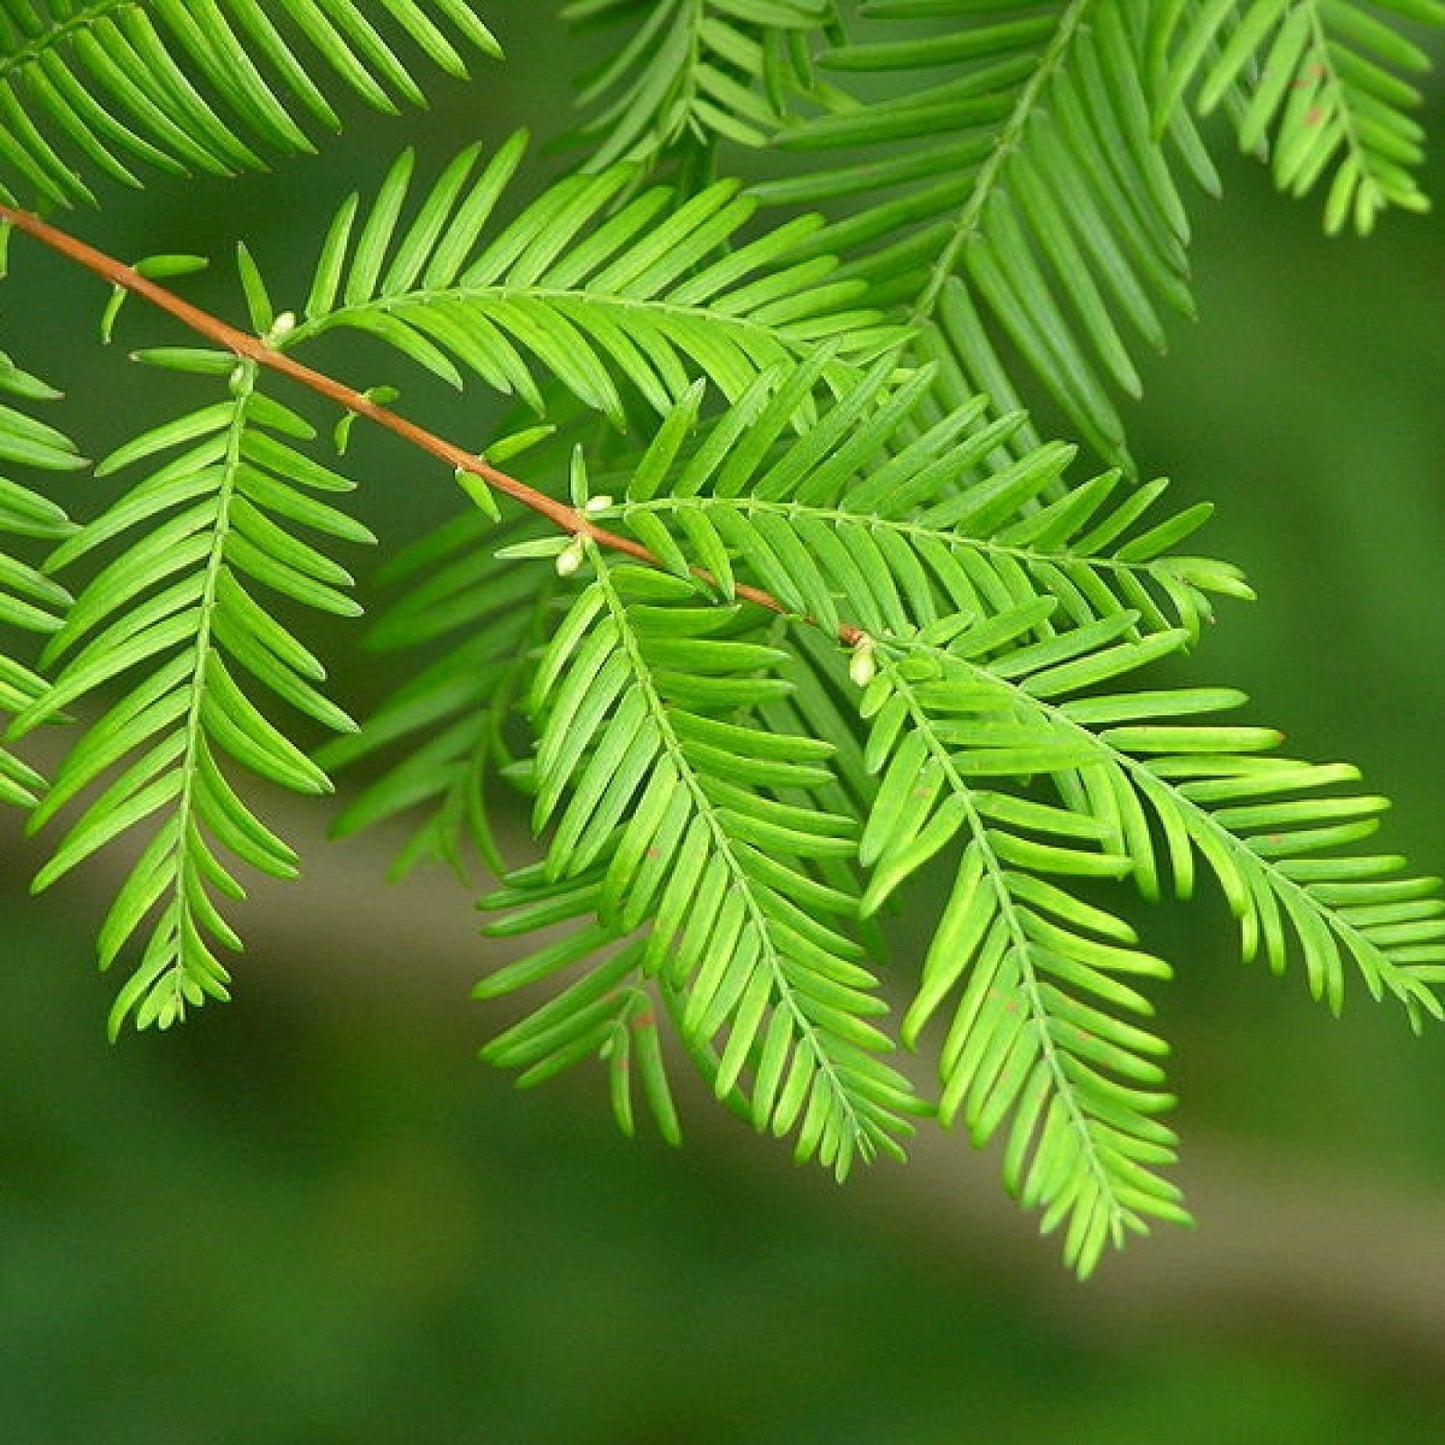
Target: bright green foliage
{"points": [[599, 289], [870, 518], [991, 623], [1042, 602], [1009, 186], [875, 634], [611, 1013], [30, 602], [670, 813], [1318, 81], [975, 709], [112, 83], [1036, 1037], [691, 71], [179, 605]]}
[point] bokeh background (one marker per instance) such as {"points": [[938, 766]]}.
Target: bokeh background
{"points": [[312, 1217]]}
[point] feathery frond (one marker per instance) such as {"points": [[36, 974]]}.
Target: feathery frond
{"points": [[985, 664], [179, 603], [913, 546], [872, 519], [96, 87], [691, 71], [30, 602], [675, 820], [1321, 83], [1035, 1037], [962, 717], [902, 538], [1022, 195], [645, 294], [1268, 828]]}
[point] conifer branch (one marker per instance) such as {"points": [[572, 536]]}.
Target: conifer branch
{"points": [[817, 418], [246, 347]]}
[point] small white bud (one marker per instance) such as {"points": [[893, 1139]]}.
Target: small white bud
{"points": [[597, 504], [281, 327], [863, 665], [570, 558]]}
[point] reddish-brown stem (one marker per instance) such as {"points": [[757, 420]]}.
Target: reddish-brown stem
{"points": [[253, 348]]}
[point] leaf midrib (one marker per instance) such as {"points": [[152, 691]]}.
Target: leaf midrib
{"points": [[700, 314], [951, 538], [1038, 1011], [1201, 818], [58, 32], [989, 173], [244, 389], [783, 990]]}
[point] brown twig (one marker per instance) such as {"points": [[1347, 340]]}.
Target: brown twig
{"points": [[252, 348]]}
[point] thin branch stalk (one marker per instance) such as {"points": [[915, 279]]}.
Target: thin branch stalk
{"points": [[247, 347]]}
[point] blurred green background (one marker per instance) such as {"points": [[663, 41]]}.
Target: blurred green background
{"points": [[312, 1217]]}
